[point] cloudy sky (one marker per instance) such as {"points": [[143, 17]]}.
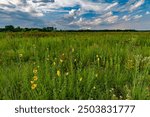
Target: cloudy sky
{"points": [[76, 14]]}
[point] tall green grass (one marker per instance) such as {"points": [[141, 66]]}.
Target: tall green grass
{"points": [[91, 65]]}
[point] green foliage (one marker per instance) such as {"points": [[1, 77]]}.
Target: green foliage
{"points": [[75, 65]]}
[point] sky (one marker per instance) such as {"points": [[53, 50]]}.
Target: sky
{"points": [[76, 14]]}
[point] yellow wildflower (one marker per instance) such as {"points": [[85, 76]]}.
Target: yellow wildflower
{"points": [[67, 73], [35, 78], [54, 63], [20, 55], [33, 86], [61, 60], [32, 82], [80, 79], [35, 70], [58, 73]]}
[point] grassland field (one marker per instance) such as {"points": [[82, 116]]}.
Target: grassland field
{"points": [[75, 66]]}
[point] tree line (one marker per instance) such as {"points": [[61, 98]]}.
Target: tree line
{"points": [[11, 28]]}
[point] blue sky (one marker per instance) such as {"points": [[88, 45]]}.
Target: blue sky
{"points": [[76, 14]]}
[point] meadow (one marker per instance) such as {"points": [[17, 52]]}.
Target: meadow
{"points": [[75, 66]]}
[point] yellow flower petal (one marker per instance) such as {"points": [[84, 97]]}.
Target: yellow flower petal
{"points": [[35, 70], [35, 78], [58, 73], [32, 82], [33, 86]]}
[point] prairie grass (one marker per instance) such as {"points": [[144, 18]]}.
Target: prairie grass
{"points": [[75, 65]]}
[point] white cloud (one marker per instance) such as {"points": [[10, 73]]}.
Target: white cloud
{"points": [[98, 7], [86, 23], [131, 17], [147, 13], [20, 5], [126, 17], [108, 19], [42, 6], [136, 5], [73, 13], [111, 19], [107, 14], [111, 6], [137, 16], [102, 10]]}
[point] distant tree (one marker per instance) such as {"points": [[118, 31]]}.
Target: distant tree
{"points": [[47, 29], [17, 29], [26, 29], [9, 28]]}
